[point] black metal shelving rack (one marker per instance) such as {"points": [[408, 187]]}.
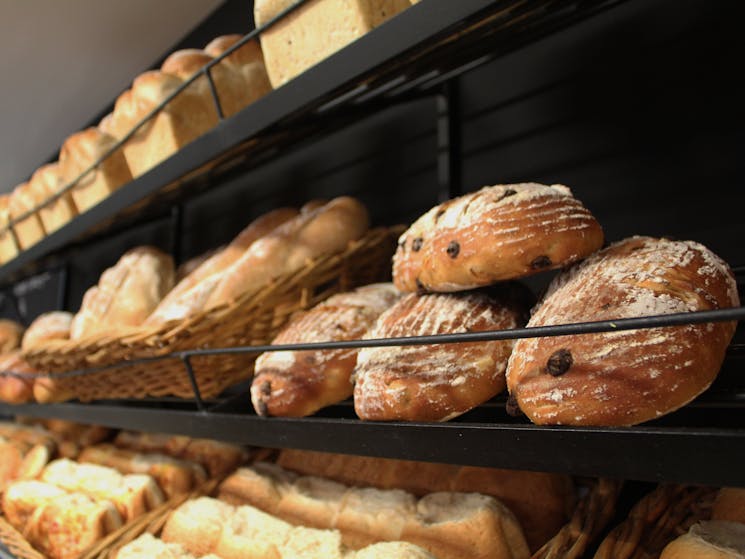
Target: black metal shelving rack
{"points": [[411, 55]]}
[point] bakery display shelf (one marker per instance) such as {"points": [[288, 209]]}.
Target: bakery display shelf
{"points": [[409, 56]]}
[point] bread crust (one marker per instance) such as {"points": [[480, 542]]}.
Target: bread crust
{"points": [[498, 233], [53, 325], [15, 390], [11, 333], [299, 383], [28, 230], [8, 241], [45, 183], [708, 540], [626, 377], [434, 383]]}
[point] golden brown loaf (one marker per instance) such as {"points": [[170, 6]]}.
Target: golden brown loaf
{"points": [[14, 389], [729, 505], [191, 293], [11, 333], [323, 230], [45, 183], [28, 230], [299, 383], [625, 377], [53, 325], [315, 31], [497, 233], [8, 241], [181, 121], [78, 153], [249, 60], [709, 540], [435, 382], [126, 294], [540, 501]]}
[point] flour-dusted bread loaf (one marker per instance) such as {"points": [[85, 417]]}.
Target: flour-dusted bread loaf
{"points": [[126, 293], [626, 377], [250, 533], [65, 526], [148, 546], [299, 383], [53, 325], [318, 230], [191, 293], [368, 515], [435, 382], [15, 389], [540, 501], [248, 60], [709, 540], [22, 206], [78, 153], [316, 31], [186, 117], [198, 524], [498, 233], [11, 334], [8, 241]]}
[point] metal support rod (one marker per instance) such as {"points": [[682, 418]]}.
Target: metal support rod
{"points": [[213, 90], [193, 380], [449, 141]]}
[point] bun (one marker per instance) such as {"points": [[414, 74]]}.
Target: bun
{"points": [[626, 377], [434, 382], [28, 230], [48, 326], [15, 390], [78, 153], [44, 184], [11, 333], [709, 540], [8, 241], [299, 383], [126, 293], [497, 233]]}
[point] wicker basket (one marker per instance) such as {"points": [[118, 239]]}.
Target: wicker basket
{"points": [[656, 520], [591, 515], [15, 543], [253, 319]]}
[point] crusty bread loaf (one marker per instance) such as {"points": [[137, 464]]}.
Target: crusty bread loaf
{"points": [[14, 389], [8, 241], [626, 377], [22, 498], [191, 294], [65, 526], [435, 383], [315, 31], [324, 230], [299, 383], [78, 153], [11, 333], [149, 547], [540, 501], [132, 494], [181, 121], [709, 540], [45, 183], [197, 524], [126, 293], [53, 325], [497, 233], [172, 475], [475, 526], [28, 230], [729, 505], [249, 61], [252, 534]]}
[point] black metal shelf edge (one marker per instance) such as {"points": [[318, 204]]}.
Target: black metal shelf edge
{"points": [[684, 455], [317, 90]]}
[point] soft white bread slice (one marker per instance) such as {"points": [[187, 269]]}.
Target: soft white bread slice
{"points": [[197, 524], [251, 529], [392, 550], [22, 498], [65, 526], [709, 540]]}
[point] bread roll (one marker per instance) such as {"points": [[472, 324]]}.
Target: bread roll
{"points": [[324, 230], [11, 334], [263, 485], [252, 534], [86, 435], [149, 547], [497, 233], [191, 294], [78, 153], [729, 505], [186, 117], [45, 183], [197, 524], [126, 294], [435, 382], [315, 31], [29, 229], [625, 377], [540, 501], [48, 326], [14, 389], [709, 540], [299, 383], [8, 241]]}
